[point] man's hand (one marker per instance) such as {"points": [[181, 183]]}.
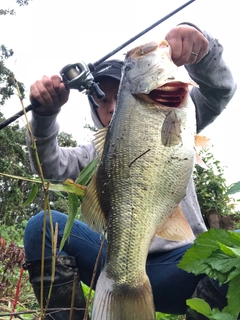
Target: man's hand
{"points": [[51, 93], [188, 45]]}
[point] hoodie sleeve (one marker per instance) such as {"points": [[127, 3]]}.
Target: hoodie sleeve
{"points": [[216, 84], [57, 163]]}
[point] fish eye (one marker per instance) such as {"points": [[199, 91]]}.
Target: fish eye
{"points": [[129, 65]]}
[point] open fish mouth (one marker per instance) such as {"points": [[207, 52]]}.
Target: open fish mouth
{"points": [[170, 94]]}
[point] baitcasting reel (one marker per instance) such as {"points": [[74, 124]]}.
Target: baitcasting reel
{"points": [[78, 76]]}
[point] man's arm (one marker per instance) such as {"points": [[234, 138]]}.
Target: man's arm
{"points": [[57, 163], [216, 84], [201, 55]]}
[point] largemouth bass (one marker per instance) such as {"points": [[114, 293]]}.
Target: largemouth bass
{"points": [[146, 162]]}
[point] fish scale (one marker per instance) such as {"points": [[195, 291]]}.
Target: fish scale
{"points": [[146, 163]]}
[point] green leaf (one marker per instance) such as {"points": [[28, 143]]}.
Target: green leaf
{"points": [[233, 296], [220, 315], [193, 259], [59, 194], [227, 262], [211, 187], [200, 306], [234, 188], [72, 211], [230, 251], [32, 195], [220, 261], [21, 178], [205, 256], [234, 273], [203, 307], [68, 186], [86, 174]]}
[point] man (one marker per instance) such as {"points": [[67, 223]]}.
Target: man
{"points": [[202, 57]]}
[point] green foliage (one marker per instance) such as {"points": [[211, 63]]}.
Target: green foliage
{"points": [[13, 233], [7, 79], [13, 159], [164, 316], [12, 256], [66, 140], [17, 194], [22, 2], [87, 292], [211, 186], [4, 12], [59, 202], [90, 127], [234, 188], [203, 307], [5, 53], [73, 203], [216, 253]]}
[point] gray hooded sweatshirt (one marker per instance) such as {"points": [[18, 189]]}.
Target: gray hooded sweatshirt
{"points": [[216, 88]]}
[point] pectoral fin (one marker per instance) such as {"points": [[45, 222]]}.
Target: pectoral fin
{"points": [[204, 142], [171, 130], [176, 227], [200, 162]]}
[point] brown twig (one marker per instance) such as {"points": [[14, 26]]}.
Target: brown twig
{"points": [[46, 209], [73, 295], [138, 157], [93, 278]]}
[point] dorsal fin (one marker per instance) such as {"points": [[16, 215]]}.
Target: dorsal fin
{"points": [[99, 141], [91, 210]]}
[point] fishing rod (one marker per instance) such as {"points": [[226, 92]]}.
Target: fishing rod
{"points": [[79, 75]]}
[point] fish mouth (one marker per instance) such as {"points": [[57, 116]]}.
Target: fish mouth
{"points": [[170, 94]]}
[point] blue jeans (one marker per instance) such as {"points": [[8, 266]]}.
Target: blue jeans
{"points": [[171, 286]]}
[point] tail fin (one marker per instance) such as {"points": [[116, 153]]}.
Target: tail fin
{"points": [[122, 302]]}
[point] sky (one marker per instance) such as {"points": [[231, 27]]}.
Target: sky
{"points": [[46, 35]]}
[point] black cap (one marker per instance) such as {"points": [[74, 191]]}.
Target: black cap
{"points": [[108, 68]]}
